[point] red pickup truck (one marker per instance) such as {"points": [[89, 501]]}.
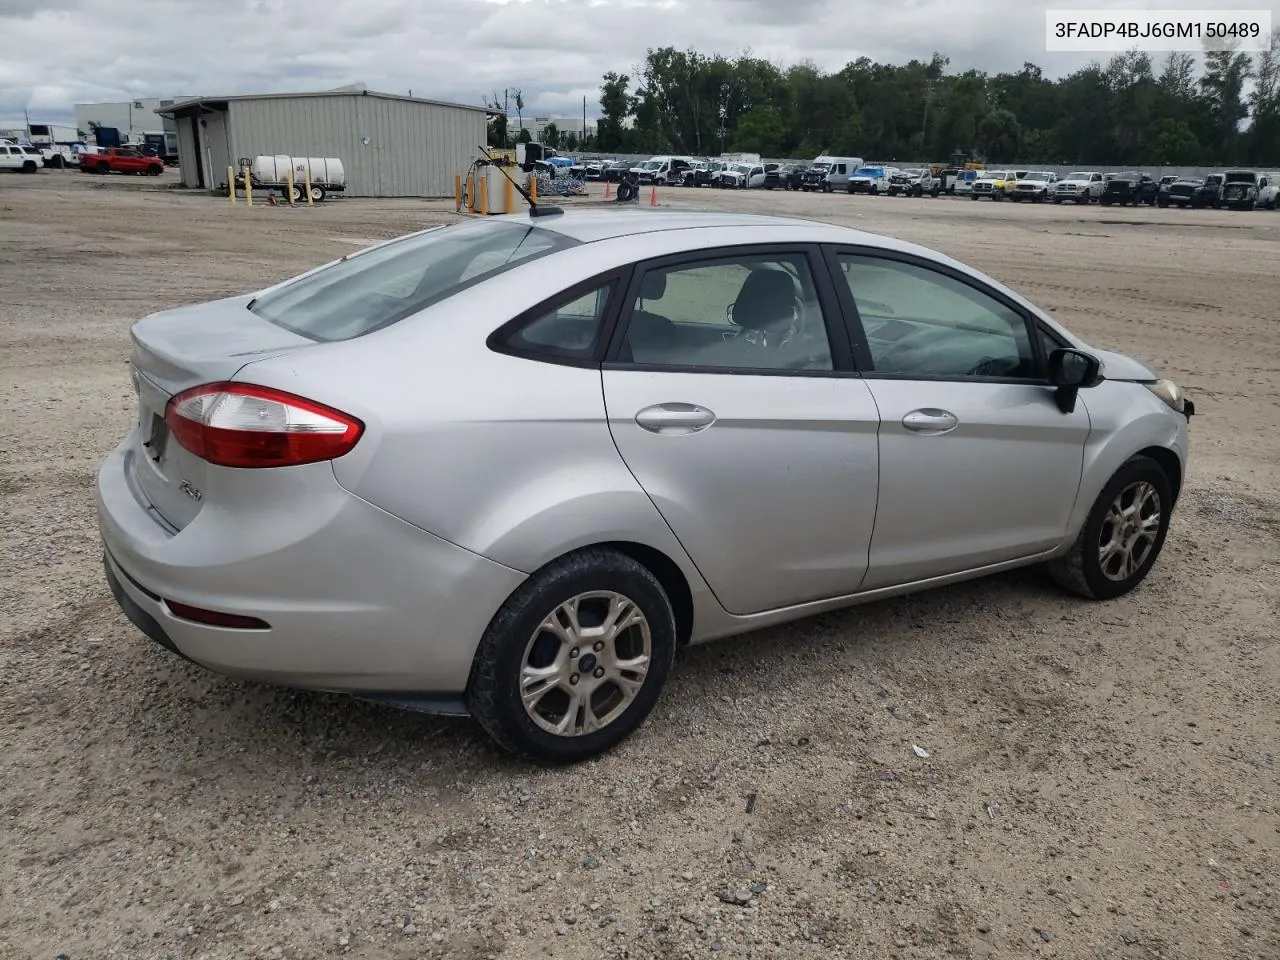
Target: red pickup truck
{"points": [[121, 160]]}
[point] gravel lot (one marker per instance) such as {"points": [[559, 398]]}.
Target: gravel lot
{"points": [[1101, 781]]}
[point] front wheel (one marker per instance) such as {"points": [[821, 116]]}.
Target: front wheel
{"points": [[575, 659], [1122, 536]]}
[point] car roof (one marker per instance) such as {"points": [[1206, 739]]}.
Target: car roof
{"points": [[589, 226]]}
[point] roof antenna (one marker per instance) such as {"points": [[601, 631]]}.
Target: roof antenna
{"points": [[526, 160]]}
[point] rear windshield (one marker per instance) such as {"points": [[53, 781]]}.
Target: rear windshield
{"points": [[377, 288]]}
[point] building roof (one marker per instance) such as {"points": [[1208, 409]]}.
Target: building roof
{"points": [[179, 106]]}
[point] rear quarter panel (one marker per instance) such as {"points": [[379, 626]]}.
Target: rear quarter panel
{"points": [[508, 457]]}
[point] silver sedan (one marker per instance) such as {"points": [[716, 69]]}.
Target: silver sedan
{"points": [[507, 467]]}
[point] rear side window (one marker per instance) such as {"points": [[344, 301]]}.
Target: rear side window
{"points": [[377, 288], [570, 329]]}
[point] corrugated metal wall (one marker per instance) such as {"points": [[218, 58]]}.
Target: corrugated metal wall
{"points": [[412, 149]]}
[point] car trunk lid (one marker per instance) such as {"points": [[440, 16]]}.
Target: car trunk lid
{"points": [[174, 351]]}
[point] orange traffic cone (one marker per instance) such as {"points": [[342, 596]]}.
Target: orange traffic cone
{"points": [[608, 190], [653, 196]]}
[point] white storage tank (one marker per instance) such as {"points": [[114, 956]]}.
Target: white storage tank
{"points": [[327, 171], [271, 169]]}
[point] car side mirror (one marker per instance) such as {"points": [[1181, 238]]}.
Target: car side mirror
{"points": [[1072, 370]]}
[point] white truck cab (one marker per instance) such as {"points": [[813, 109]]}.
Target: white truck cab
{"points": [[1080, 186], [871, 178]]}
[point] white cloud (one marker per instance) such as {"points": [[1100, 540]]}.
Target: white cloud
{"points": [[59, 52]]}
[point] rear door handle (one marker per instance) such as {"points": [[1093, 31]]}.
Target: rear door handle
{"points": [[930, 421], [675, 419]]}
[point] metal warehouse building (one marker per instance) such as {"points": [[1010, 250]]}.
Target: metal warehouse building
{"points": [[390, 146]]}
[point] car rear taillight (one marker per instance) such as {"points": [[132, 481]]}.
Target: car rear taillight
{"points": [[244, 425]]}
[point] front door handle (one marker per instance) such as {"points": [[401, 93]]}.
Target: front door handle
{"points": [[675, 419], [930, 421]]}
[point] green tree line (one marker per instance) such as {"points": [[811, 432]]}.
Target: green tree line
{"points": [[1128, 110]]}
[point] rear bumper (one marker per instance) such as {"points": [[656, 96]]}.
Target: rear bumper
{"points": [[357, 601]]}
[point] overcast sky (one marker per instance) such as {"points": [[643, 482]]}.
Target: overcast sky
{"points": [[55, 53]]}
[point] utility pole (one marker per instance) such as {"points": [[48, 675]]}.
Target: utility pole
{"points": [[584, 118]]}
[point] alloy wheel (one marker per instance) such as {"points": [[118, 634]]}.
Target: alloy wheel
{"points": [[1129, 531], [585, 663]]}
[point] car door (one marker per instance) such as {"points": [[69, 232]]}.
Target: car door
{"points": [[978, 465], [731, 397]]}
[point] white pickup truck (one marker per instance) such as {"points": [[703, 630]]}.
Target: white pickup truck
{"points": [[1080, 186], [14, 156], [1247, 189]]}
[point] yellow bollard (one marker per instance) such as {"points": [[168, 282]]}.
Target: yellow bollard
{"points": [[457, 193], [289, 184], [248, 188], [484, 195], [306, 178], [533, 187], [231, 183], [471, 193]]}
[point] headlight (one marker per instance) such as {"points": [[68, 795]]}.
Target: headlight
{"points": [[1170, 393]]}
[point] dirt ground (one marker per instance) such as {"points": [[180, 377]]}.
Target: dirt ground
{"points": [[1101, 779]]}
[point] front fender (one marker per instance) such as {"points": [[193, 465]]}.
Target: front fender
{"points": [[1124, 419]]}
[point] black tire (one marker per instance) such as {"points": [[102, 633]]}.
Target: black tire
{"points": [[29, 166], [1080, 570], [317, 193], [493, 691]]}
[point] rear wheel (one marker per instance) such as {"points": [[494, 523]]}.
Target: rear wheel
{"points": [[1122, 536], [575, 659], [317, 193]]}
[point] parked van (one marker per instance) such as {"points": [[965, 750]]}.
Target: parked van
{"points": [[964, 181], [838, 173], [829, 173]]}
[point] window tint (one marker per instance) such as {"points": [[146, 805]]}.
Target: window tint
{"points": [[750, 313], [382, 286], [920, 322], [571, 329]]}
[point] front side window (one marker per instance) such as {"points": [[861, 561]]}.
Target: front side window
{"points": [[920, 322], [379, 287], [744, 313]]}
